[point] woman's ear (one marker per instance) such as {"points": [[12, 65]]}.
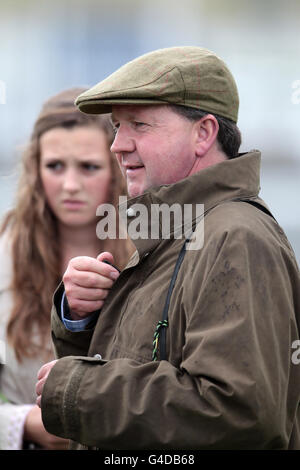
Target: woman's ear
{"points": [[206, 132]]}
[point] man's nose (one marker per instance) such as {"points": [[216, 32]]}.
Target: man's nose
{"points": [[71, 181], [123, 142]]}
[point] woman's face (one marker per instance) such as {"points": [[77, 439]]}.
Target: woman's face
{"points": [[76, 173]]}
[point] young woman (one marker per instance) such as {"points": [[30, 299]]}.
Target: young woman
{"points": [[67, 172]]}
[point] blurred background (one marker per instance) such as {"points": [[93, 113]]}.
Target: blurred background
{"points": [[48, 46]]}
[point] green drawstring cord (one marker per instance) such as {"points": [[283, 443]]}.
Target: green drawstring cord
{"points": [[160, 324]]}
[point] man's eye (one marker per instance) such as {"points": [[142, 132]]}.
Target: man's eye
{"points": [[139, 124], [115, 129]]}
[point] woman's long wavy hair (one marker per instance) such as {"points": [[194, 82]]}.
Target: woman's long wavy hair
{"points": [[33, 230]]}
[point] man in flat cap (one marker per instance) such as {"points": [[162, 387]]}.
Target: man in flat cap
{"points": [[190, 347]]}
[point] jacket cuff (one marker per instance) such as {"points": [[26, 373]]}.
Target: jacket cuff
{"points": [[76, 325], [66, 342], [59, 395]]}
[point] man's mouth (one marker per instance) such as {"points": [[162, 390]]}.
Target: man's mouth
{"points": [[132, 169]]}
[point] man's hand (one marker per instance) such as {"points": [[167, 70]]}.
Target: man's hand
{"points": [[34, 431], [87, 282], [42, 377]]}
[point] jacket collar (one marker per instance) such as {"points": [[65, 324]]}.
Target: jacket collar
{"points": [[229, 180]]}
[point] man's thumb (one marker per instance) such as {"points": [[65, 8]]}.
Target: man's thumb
{"points": [[106, 256]]}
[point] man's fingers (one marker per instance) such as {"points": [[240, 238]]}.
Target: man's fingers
{"points": [[45, 368], [83, 307], [42, 371], [40, 385], [87, 282], [106, 256], [42, 377], [86, 263], [81, 293], [88, 279]]}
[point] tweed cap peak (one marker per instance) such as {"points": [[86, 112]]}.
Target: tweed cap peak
{"points": [[188, 76]]}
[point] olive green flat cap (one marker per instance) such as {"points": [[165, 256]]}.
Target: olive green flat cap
{"points": [[189, 76]]}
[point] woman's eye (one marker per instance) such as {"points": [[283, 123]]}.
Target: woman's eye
{"points": [[90, 167], [54, 166]]}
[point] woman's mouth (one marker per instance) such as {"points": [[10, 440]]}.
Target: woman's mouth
{"points": [[73, 204]]}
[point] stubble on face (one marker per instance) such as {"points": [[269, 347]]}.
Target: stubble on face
{"points": [[153, 146]]}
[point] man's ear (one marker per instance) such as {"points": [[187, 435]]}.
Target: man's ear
{"points": [[206, 132]]}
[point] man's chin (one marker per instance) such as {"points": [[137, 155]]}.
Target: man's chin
{"points": [[135, 190]]}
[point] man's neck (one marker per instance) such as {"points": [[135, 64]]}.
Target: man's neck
{"points": [[211, 158]]}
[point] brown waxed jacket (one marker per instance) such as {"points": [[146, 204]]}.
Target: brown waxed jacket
{"points": [[231, 380]]}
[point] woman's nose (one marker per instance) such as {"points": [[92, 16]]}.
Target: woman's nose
{"points": [[71, 181]]}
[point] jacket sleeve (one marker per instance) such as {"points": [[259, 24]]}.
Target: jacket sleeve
{"points": [[67, 342], [231, 388]]}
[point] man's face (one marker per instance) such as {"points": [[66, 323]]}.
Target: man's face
{"points": [[153, 145]]}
